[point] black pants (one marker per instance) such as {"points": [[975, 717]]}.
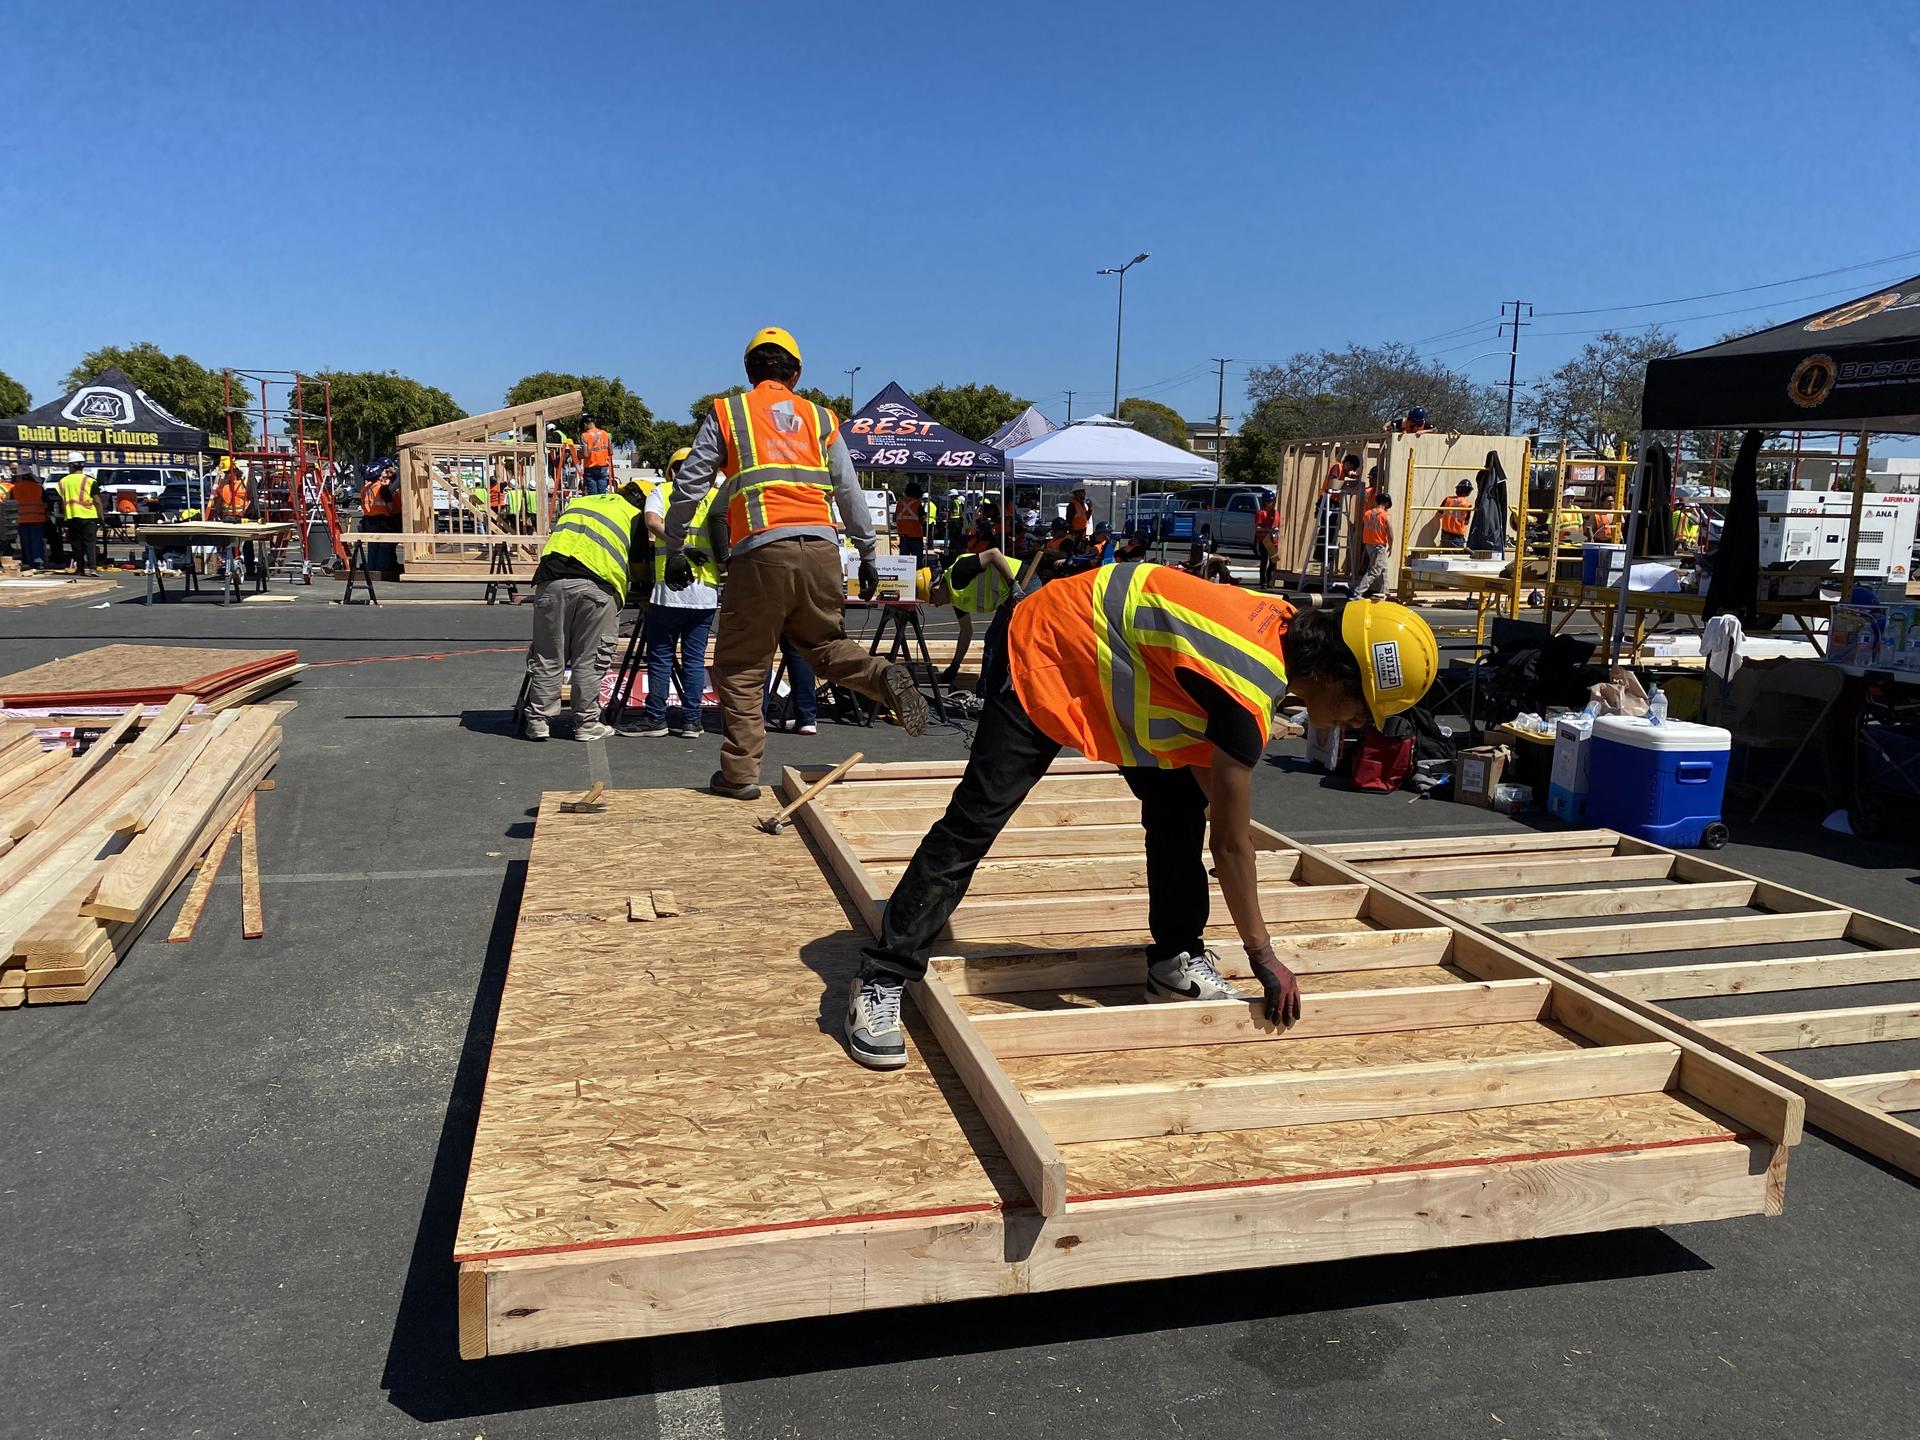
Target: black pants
{"points": [[1009, 756], [80, 542]]}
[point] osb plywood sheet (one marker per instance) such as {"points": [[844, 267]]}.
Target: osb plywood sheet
{"points": [[131, 667]]}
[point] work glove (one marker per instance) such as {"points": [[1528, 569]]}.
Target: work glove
{"points": [[679, 571], [1276, 981], [869, 580]]}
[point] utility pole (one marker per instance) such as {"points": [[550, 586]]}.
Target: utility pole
{"points": [[1513, 354], [853, 401], [1220, 419], [1069, 407]]}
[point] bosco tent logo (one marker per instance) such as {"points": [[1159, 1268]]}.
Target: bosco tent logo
{"points": [[1812, 381], [99, 405], [1854, 311]]}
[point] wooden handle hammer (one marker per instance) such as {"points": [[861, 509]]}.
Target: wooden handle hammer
{"points": [[776, 822]]}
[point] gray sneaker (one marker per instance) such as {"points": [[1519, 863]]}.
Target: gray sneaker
{"points": [[593, 730], [1189, 977], [904, 699], [534, 728], [874, 1037]]}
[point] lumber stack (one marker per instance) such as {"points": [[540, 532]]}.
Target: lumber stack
{"points": [[91, 845], [114, 677]]}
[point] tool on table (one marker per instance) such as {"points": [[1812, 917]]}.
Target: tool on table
{"points": [[773, 824], [587, 804]]}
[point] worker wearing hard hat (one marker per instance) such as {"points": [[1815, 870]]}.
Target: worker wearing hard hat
{"points": [[1174, 680], [785, 469], [678, 622], [596, 458], [79, 512], [30, 516]]}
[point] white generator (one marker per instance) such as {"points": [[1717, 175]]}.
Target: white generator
{"points": [[1802, 525]]}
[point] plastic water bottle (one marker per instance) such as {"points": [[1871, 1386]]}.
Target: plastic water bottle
{"points": [[1657, 707]]}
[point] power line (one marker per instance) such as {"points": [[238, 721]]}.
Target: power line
{"points": [[1717, 314], [1740, 290]]}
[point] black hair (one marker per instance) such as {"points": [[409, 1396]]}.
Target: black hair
{"points": [[1314, 650], [1465, 487], [913, 490], [771, 362], [1351, 464], [1383, 499]]}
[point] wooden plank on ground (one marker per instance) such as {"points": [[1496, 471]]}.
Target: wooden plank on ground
{"points": [[1426, 877], [880, 846], [73, 777], [1248, 1102], [1813, 1029], [996, 918], [203, 879], [1032, 1152], [164, 726], [1628, 900], [1657, 936], [1224, 1022], [1530, 842], [253, 923], [1758, 977], [1890, 1089]]}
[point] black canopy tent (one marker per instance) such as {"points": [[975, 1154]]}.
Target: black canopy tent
{"points": [[1851, 367], [113, 421], [893, 435]]}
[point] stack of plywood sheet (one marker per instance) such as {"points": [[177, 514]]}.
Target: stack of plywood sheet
{"points": [[673, 1139], [115, 677], [92, 844]]}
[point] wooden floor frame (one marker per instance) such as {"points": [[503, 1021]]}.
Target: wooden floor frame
{"points": [[1071, 839], [1494, 881]]}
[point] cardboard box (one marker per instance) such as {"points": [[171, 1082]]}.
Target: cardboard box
{"points": [[1477, 772]]}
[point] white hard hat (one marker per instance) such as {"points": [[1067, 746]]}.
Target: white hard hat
{"points": [[76, 457]]}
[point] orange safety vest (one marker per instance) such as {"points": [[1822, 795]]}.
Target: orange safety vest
{"points": [[1266, 520], [230, 497], [1603, 526], [1078, 514], [776, 459], [1373, 526], [1096, 660], [1454, 512], [31, 498], [596, 448], [909, 520], [496, 496], [377, 497]]}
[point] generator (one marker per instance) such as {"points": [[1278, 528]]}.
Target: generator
{"points": [[1798, 526]]}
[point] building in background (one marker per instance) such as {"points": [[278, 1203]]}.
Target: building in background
{"points": [[1203, 436]]}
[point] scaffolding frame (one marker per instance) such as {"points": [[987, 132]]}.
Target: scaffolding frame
{"points": [[291, 482]]}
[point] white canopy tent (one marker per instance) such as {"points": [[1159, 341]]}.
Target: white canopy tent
{"points": [[1101, 451]]}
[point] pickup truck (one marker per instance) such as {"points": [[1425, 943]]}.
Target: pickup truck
{"points": [[1226, 510]]}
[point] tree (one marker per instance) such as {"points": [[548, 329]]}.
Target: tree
{"points": [[1365, 388], [1150, 417], [839, 404], [1594, 399], [975, 411], [372, 407], [1253, 458], [616, 409], [178, 384], [14, 399], [666, 437]]}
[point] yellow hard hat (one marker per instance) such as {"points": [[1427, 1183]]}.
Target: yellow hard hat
{"points": [[673, 460], [923, 584], [1397, 653], [774, 335]]}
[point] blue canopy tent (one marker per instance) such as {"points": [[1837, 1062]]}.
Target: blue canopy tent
{"points": [[894, 436]]}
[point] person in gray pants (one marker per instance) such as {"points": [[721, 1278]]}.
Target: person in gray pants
{"points": [[586, 571]]}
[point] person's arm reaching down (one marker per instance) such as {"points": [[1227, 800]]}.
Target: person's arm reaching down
{"points": [[1229, 786], [697, 475], [852, 503]]}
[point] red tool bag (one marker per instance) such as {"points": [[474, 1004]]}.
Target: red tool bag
{"points": [[1381, 762]]}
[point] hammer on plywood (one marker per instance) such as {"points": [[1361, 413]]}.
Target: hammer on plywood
{"points": [[773, 824]]}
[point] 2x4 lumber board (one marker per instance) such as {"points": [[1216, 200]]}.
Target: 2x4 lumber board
{"points": [[484, 426], [1424, 877], [1759, 977], [1866, 929], [1024, 1141], [1655, 936], [22, 777], [43, 866], [1627, 900], [252, 917], [209, 870], [1250, 1102], [1074, 874], [173, 762], [947, 769], [881, 846], [132, 883], [73, 777], [1814, 1029], [1051, 816], [1469, 846], [1328, 953], [540, 1302], [1890, 1089], [164, 726], [868, 903], [855, 796], [1122, 910], [1225, 1022]]}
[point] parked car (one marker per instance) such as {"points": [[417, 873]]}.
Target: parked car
{"points": [[1228, 511]]}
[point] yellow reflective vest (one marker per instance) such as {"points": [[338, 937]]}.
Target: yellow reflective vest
{"points": [[76, 496], [596, 531]]}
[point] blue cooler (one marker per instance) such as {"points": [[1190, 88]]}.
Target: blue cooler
{"points": [[1602, 564], [1663, 783]]}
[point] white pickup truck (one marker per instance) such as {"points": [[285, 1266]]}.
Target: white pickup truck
{"points": [[1227, 510]]}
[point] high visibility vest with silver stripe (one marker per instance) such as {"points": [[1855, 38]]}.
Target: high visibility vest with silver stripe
{"points": [[597, 531], [777, 478], [76, 496], [987, 593], [706, 572]]}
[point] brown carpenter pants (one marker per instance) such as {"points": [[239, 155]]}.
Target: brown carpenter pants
{"points": [[791, 587]]}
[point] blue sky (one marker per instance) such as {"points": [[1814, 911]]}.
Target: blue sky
{"points": [[467, 193]]}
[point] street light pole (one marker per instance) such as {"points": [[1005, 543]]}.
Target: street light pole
{"points": [[853, 401], [1119, 320]]}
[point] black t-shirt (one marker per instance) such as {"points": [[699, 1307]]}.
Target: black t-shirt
{"points": [[1230, 725]]}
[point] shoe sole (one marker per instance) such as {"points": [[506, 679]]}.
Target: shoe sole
{"points": [[909, 706], [1158, 996], [892, 1060], [750, 793]]}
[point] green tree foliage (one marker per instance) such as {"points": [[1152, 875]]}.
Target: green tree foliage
{"points": [[1594, 399], [1253, 458], [1150, 417], [177, 383], [372, 407], [1365, 388], [839, 404], [14, 399], [975, 411], [616, 409], [666, 437]]}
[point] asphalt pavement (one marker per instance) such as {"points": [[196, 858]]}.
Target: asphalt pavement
{"points": [[229, 1183]]}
